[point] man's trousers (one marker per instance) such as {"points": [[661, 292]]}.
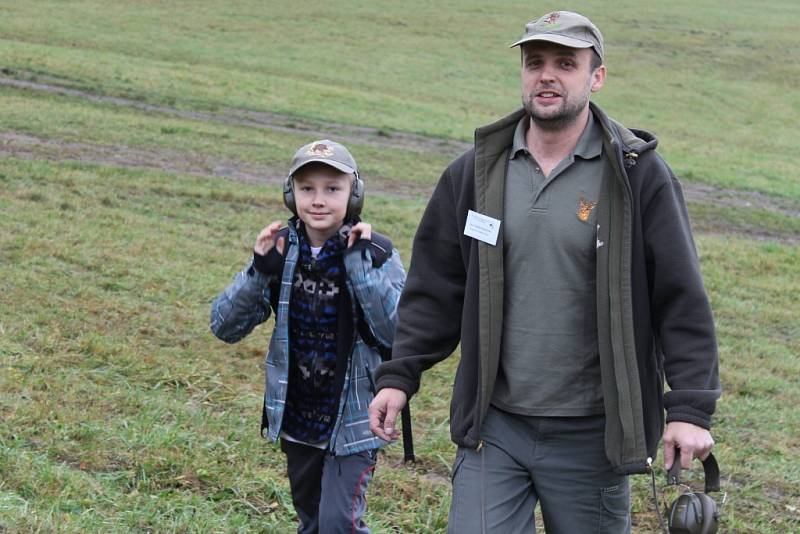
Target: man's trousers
{"points": [[559, 462]]}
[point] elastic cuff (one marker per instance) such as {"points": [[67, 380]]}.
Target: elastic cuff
{"points": [[377, 254], [687, 414], [394, 383], [359, 246], [269, 264]]}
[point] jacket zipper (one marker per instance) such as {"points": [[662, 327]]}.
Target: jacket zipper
{"points": [[345, 386]]}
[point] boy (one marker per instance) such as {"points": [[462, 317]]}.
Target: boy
{"points": [[333, 284]]}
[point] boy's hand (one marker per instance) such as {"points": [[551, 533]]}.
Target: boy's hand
{"points": [[383, 412], [361, 230], [266, 239]]}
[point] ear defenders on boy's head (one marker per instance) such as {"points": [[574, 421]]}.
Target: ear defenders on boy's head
{"points": [[354, 203], [334, 155], [695, 512]]}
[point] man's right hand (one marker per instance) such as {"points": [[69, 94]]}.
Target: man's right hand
{"points": [[383, 412]]}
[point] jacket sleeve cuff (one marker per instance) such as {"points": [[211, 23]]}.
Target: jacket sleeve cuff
{"points": [[396, 382], [359, 250], [379, 251], [269, 264], [687, 414]]}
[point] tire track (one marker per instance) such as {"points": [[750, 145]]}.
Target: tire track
{"points": [[33, 147], [25, 146], [253, 119]]}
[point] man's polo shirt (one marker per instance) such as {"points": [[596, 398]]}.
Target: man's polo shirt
{"points": [[549, 363]]}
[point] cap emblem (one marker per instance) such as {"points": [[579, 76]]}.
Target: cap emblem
{"points": [[552, 19], [319, 149]]}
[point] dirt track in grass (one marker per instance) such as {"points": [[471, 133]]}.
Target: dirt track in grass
{"points": [[26, 146]]}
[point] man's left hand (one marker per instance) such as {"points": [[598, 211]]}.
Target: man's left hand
{"points": [[691, 440]]}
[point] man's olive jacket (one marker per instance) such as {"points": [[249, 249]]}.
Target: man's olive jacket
{"points": [[653, 316]]}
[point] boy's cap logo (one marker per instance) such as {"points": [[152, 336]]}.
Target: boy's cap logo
{"points": [[319, 149]]}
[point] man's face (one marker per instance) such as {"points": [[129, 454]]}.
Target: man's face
{"points": [[557, 82], [321, 194]]}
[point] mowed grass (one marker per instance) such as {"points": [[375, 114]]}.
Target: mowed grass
{"points": [[120, 412], [713, 80]]}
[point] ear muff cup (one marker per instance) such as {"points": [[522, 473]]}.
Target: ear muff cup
{"points": [[288, 195], [710, 516], [355, 202], [693, 513]]}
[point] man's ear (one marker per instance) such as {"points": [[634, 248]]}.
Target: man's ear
{"points": [[598, 78]]}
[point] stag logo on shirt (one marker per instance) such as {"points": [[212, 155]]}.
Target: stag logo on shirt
{"points": [[585, 208]]}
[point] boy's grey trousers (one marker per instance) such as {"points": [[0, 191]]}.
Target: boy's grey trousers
{"points": [[328, 492], [559, 462]]}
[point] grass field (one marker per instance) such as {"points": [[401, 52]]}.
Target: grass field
{"points": [[141, 145]]}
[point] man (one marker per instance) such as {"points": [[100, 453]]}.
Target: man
{"points": [[558, 253]]}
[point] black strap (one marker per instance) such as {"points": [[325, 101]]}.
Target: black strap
{"points": [[710, 469], [655, 499], [386, 355], [408, 439]]}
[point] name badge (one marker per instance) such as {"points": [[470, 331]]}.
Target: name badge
{"points": [[482, 227]]}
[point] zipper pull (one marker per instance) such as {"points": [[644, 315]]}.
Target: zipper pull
{"points": [[630, 159], [480, 446]]}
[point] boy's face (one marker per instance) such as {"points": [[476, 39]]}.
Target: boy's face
{"points": [[321, 194]]}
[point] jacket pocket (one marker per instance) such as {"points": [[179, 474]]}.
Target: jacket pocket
{"points": [[616, 508], [460, 455]]}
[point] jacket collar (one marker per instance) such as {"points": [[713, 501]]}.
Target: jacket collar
{"points": [[497, 137]]}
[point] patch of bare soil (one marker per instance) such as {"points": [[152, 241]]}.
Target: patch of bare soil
{"points": [[32, 147], [707, 194]]}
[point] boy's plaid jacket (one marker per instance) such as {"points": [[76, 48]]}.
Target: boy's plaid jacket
{"points": [[375, 279]]}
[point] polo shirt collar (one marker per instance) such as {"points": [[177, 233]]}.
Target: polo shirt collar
{"points": [[590, 143]]}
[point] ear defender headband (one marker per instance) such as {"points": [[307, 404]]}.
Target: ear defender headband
{"points": [[354, 203], [694, 512]]}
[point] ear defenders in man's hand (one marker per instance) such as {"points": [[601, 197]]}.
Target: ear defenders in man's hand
{"points": [[695, 512]]}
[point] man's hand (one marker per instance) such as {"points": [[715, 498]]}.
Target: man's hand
{"points": [[383, 412], [692, 441], [266, 239], [360, 230]]}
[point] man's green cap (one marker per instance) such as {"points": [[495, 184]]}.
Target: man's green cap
{"points": [[565, 28]]}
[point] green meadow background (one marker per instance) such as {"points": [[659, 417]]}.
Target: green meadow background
{"points": [[142, 145]]}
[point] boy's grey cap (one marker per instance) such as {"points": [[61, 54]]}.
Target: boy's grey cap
{"points": [[564, 28], [327, 152]]}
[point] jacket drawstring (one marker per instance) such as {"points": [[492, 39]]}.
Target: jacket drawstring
{"points": [[483, 487]]}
